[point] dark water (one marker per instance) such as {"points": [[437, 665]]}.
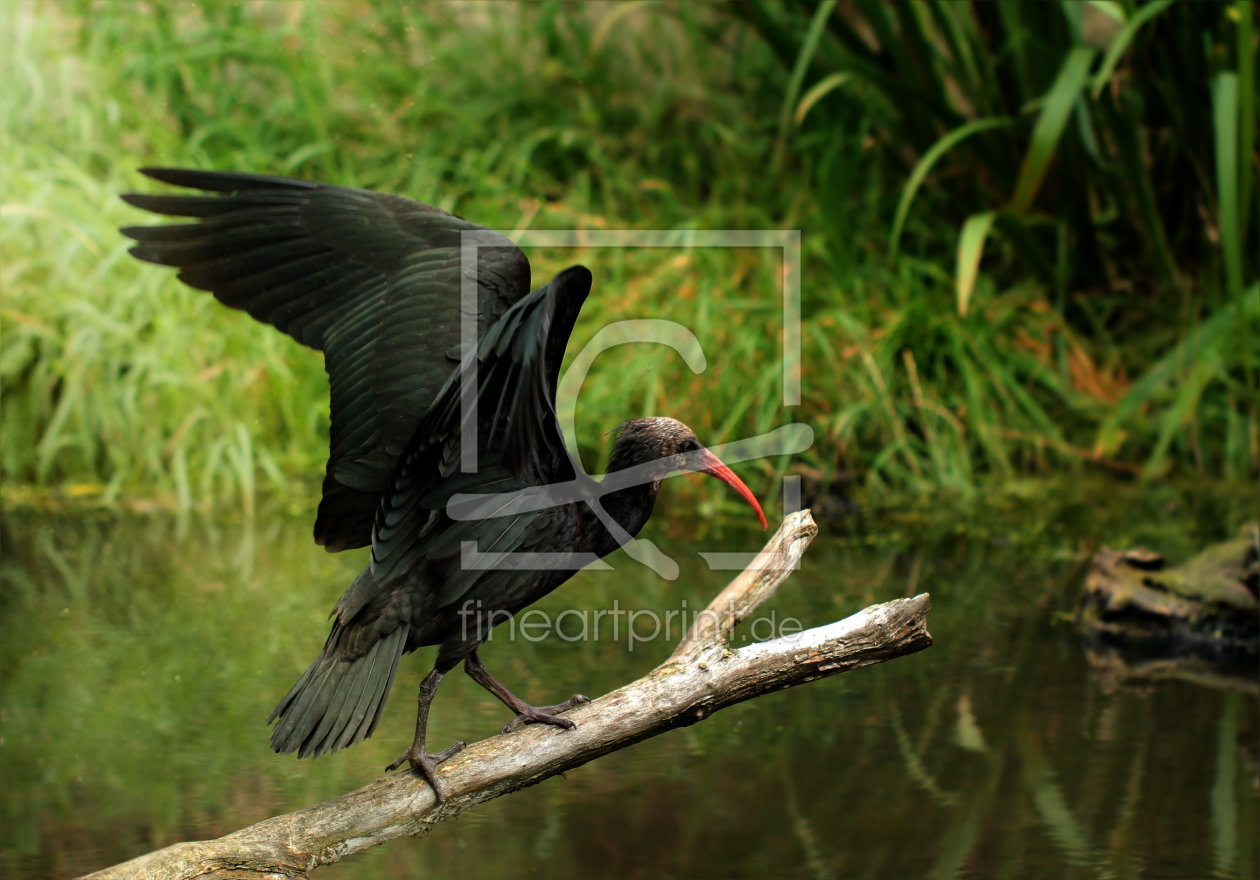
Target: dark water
{"points": [[140, 656]]}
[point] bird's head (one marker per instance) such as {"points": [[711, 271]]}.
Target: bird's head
{"points": [[660, 446]]}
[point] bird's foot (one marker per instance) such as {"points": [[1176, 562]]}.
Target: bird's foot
{"points": [[547, 714], [425, 764]]}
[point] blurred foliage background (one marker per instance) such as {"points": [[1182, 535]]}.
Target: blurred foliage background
{"points": [[1030, 231], [1030, 243]]}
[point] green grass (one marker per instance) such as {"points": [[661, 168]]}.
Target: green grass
{"points": [[1026, 251]]}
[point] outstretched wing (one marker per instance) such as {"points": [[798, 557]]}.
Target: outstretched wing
{"points": [[371, 280], [519, 450]]}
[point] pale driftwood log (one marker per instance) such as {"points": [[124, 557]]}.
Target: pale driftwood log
{"points": [[702, 676]]}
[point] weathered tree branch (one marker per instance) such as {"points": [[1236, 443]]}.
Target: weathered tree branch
{"points": [[753, 586], [702, 676]]}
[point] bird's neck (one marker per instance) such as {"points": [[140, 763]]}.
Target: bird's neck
{"points": [[630, 506]]}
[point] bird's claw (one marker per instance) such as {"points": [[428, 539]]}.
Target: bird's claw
{"points": [[425, 764], [535, 717], [547, 714]]}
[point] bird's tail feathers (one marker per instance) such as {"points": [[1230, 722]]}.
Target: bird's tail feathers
{"points": [[336, 703]]}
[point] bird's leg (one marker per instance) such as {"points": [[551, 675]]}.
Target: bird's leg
{"points": [[525, 713], [422, 761]]}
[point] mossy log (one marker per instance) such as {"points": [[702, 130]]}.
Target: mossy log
{"points": [[1198, 620]]}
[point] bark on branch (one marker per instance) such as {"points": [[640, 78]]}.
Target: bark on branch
{"points": [[703, 675]]}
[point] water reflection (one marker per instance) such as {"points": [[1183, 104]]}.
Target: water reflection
{"points": [[141, 655]]}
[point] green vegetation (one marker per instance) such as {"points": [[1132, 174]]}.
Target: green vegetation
{"points": [[1029, 230]]}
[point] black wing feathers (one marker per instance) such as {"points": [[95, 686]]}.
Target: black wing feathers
{"points": [[519, 446], [372, 280]]}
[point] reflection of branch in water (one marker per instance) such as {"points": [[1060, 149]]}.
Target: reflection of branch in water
{"points": [[960, 839], [1224, 807], [967, 732], [915, 768], [803, 830], [1052, 807], [1121, 861]]}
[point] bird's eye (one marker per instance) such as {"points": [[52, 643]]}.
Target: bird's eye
{"points": [[690, 445]]}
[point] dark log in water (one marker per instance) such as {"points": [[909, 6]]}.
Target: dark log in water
{"points": [[1144, 619]]}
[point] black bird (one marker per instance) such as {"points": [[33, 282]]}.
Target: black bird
{"points": [[445, 452]]}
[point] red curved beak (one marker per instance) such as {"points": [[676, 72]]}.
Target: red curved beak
{"points": [[712, 465]]}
